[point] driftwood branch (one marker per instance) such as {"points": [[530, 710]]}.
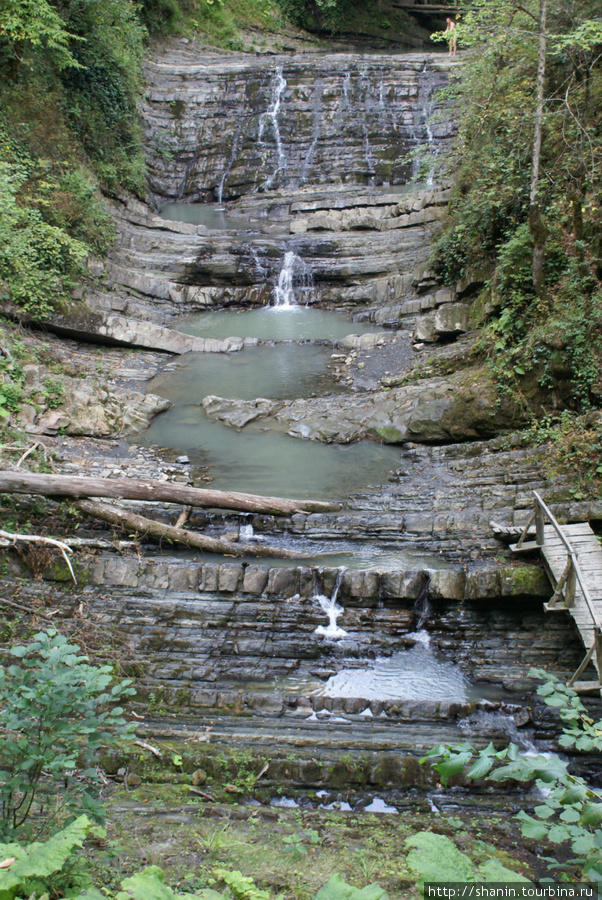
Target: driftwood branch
{"points": [[150, 748], [39, 539], [142, 525], [24, 608], [156, 491]]}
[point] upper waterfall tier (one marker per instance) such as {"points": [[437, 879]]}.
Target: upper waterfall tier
{"points": [[220, 126]]}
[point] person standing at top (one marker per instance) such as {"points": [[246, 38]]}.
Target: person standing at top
{"points": [[452, 37]]}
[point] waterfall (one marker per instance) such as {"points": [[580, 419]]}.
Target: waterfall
{"points": [[230, 163], [346, 87], [422, 607], [429, 136], [271, 115], [259, 268], [316, 131], [330, 606], [425, 112], [294, 273]]}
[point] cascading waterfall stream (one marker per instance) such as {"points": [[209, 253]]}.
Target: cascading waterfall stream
{"points": [[294, 273], [330, 606], [316, 131], [422, 607], [279, 84], [230, 163]]}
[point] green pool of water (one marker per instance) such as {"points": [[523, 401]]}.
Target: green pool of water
{"points": [[270, 462], [284, 371], [297, 323], [217, 218], [263, 459]]}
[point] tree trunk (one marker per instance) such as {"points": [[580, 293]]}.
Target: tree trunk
{"points": [[536, 223], [142, 525], [158, 491]]}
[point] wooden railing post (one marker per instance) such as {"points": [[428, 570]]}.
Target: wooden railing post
{"points": [[571, 584], [539, 524], [598, 643], [560, 586]]}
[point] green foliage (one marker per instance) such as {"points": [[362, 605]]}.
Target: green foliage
{"points": [[434, 857], [31, 24], [572, 811], [26, 869], [56, 711], [38, 261], [575, 445], [101, 93], [30, 870], [53, 392], [556, 337], [241, 886], [336, 889], [327, 15]]}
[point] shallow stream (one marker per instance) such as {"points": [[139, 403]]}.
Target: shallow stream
{"points": [[257, 459]]}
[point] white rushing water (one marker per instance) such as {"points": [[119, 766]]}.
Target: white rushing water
{"points": [[332, 610], [271, 117], [230, 163], [429, 136], [415, 674], [294, 275]]}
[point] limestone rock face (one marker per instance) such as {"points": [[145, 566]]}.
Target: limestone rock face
{"points": [[364, 341], [462, 407], [95, 413], [84, 322], [287, 121], [445, 321], [238, 413]]}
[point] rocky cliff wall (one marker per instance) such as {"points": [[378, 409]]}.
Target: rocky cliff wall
{"points": [[221, 127]]}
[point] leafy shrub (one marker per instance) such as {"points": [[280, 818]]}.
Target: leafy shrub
{"points": [[571, 811], [27, 870], [435, 858], [38, 261], [56, 711]]}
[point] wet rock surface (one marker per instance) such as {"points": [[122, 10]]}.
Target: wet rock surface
{"points": [[226, 651], [238, 123]]}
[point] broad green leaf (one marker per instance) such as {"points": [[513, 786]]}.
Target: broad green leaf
{"points": [[434, 857], [544, 811], [558, 834], [337, 889], [482, 766], [147, 885], [585, 743], [38, 860], [570, 815], [454, 764], [592, 814], [584, 843], [531, 828], [493, 870]]}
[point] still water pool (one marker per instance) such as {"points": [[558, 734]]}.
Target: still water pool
{"points": [[261, 459], [272, 323]]}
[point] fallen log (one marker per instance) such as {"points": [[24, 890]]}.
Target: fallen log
{"points": [[115, 516], [12, 482]]}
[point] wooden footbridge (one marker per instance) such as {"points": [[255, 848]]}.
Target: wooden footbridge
{"points": [[428, 6], [573, 558]]}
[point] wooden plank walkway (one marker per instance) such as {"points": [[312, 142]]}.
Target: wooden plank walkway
{"points": [[428, 6], [573, 559]]}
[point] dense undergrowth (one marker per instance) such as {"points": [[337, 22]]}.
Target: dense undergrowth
{"points": [[544, 343]]}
